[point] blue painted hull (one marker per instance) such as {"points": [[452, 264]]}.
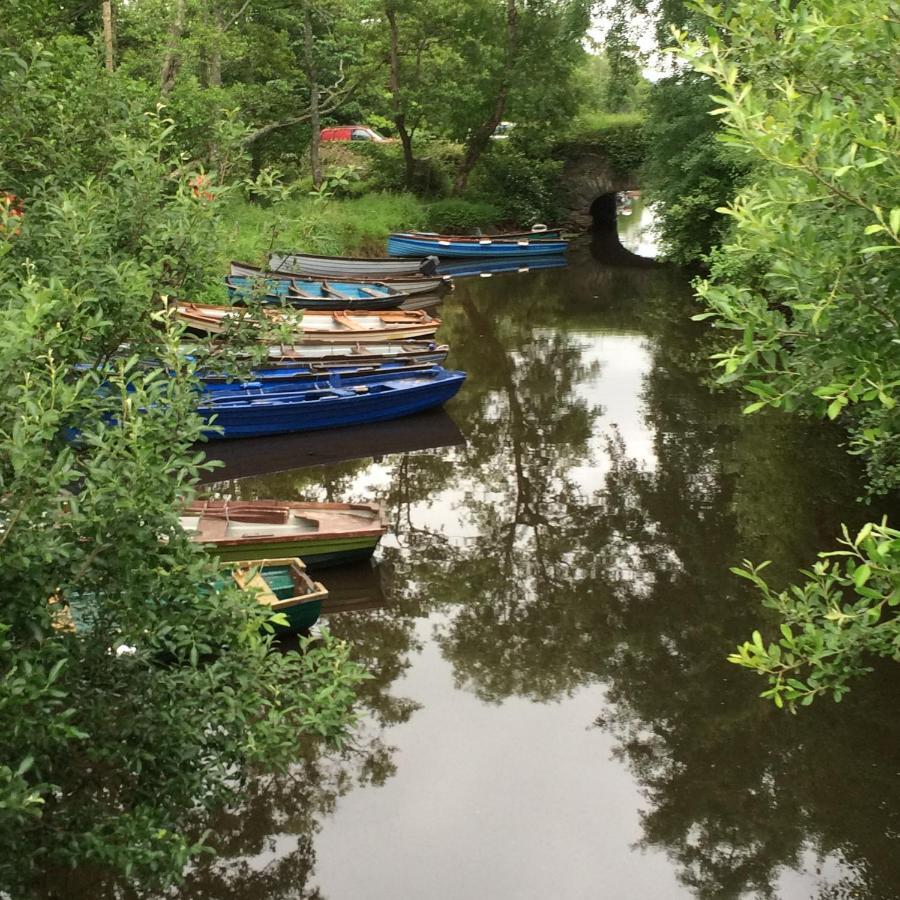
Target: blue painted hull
{"points": [[410, 245], [282, 409]]}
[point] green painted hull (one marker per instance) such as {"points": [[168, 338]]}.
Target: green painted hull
{"points": [[316, 554], [300, 617]]}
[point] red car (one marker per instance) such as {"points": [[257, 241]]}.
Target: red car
{"points": [[352, 133]]}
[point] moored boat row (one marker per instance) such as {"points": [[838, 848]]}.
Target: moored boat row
{"points": [[355, 354]]}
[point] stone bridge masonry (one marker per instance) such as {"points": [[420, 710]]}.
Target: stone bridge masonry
{"points": [[588, 185]]}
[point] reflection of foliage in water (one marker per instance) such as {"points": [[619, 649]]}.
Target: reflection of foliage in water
{"points": [[545, 585], [629, 586]]}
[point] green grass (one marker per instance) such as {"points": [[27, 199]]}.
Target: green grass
{"points": [[357, 226]]}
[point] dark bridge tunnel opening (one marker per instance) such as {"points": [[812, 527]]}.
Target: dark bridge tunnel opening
{"points": [[603, 212], [606, 246]]}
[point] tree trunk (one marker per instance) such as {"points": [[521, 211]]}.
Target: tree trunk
{"points": [[108, 34], [214, 55], [309, 52], [172, 61], [481, 136], [397, 109]]}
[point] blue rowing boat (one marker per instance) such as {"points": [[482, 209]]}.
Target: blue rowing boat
{"points": [[312, 375], [473, 246], [281, 409], [321, 295]]}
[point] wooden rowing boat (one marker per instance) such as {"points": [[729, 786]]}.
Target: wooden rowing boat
{"points": [[338, 266], [338, 327], [283, 586], [321, 534], [412, 285], [369, 353], [315, 295]]}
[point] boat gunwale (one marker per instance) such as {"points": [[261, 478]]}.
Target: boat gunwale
{"points": [[480, 240], [365, 259]]}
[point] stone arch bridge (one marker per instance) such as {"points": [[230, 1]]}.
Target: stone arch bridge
{"points": [[594, 171]]}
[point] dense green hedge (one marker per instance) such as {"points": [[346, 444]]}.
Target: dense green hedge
{"points": [[524, 189], [458, 214], [622, 138]]}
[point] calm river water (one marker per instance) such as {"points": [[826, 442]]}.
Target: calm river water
{"points": [[551, 713]]}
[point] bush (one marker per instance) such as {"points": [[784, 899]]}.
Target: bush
{"points": [[524, 189], [386, 170], [457, 214], [621, 137], [687, 170]]}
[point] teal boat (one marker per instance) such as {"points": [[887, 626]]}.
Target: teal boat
{"points": [[280, 584], [283, 585]]}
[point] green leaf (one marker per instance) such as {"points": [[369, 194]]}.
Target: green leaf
{"points": [[862, 574]]}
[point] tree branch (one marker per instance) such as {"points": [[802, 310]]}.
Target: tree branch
{"points": [[236, 16], [332, 101]]}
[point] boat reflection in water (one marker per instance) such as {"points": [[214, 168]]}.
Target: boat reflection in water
{"points": [[266, 456], [355, 588], [488, 267]]}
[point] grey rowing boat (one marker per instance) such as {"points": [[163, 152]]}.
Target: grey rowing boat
{"points": [[335, 266]]}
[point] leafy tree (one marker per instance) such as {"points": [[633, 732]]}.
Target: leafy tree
{"points": [[167, 696], [420, 53], [519, 59], [686, 169], [809, 280]]}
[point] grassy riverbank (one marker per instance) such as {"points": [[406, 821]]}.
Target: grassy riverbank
{"points": [[333, 227]]}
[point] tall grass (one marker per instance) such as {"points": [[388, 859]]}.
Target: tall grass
{"points": [[356, 226]]}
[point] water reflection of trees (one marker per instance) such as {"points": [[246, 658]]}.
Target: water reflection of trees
{"points": [[629, 586], [546, 586]]}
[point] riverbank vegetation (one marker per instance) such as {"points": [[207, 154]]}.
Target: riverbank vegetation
{"points": [[115, 737], [775, 158]]}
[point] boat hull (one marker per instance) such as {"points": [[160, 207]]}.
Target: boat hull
{"points": [[283, 410], [335, 266], [410, 245], [300, 617], [318, 553]]}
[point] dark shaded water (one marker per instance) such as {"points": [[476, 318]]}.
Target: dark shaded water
{"points": [[551, 713]]}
